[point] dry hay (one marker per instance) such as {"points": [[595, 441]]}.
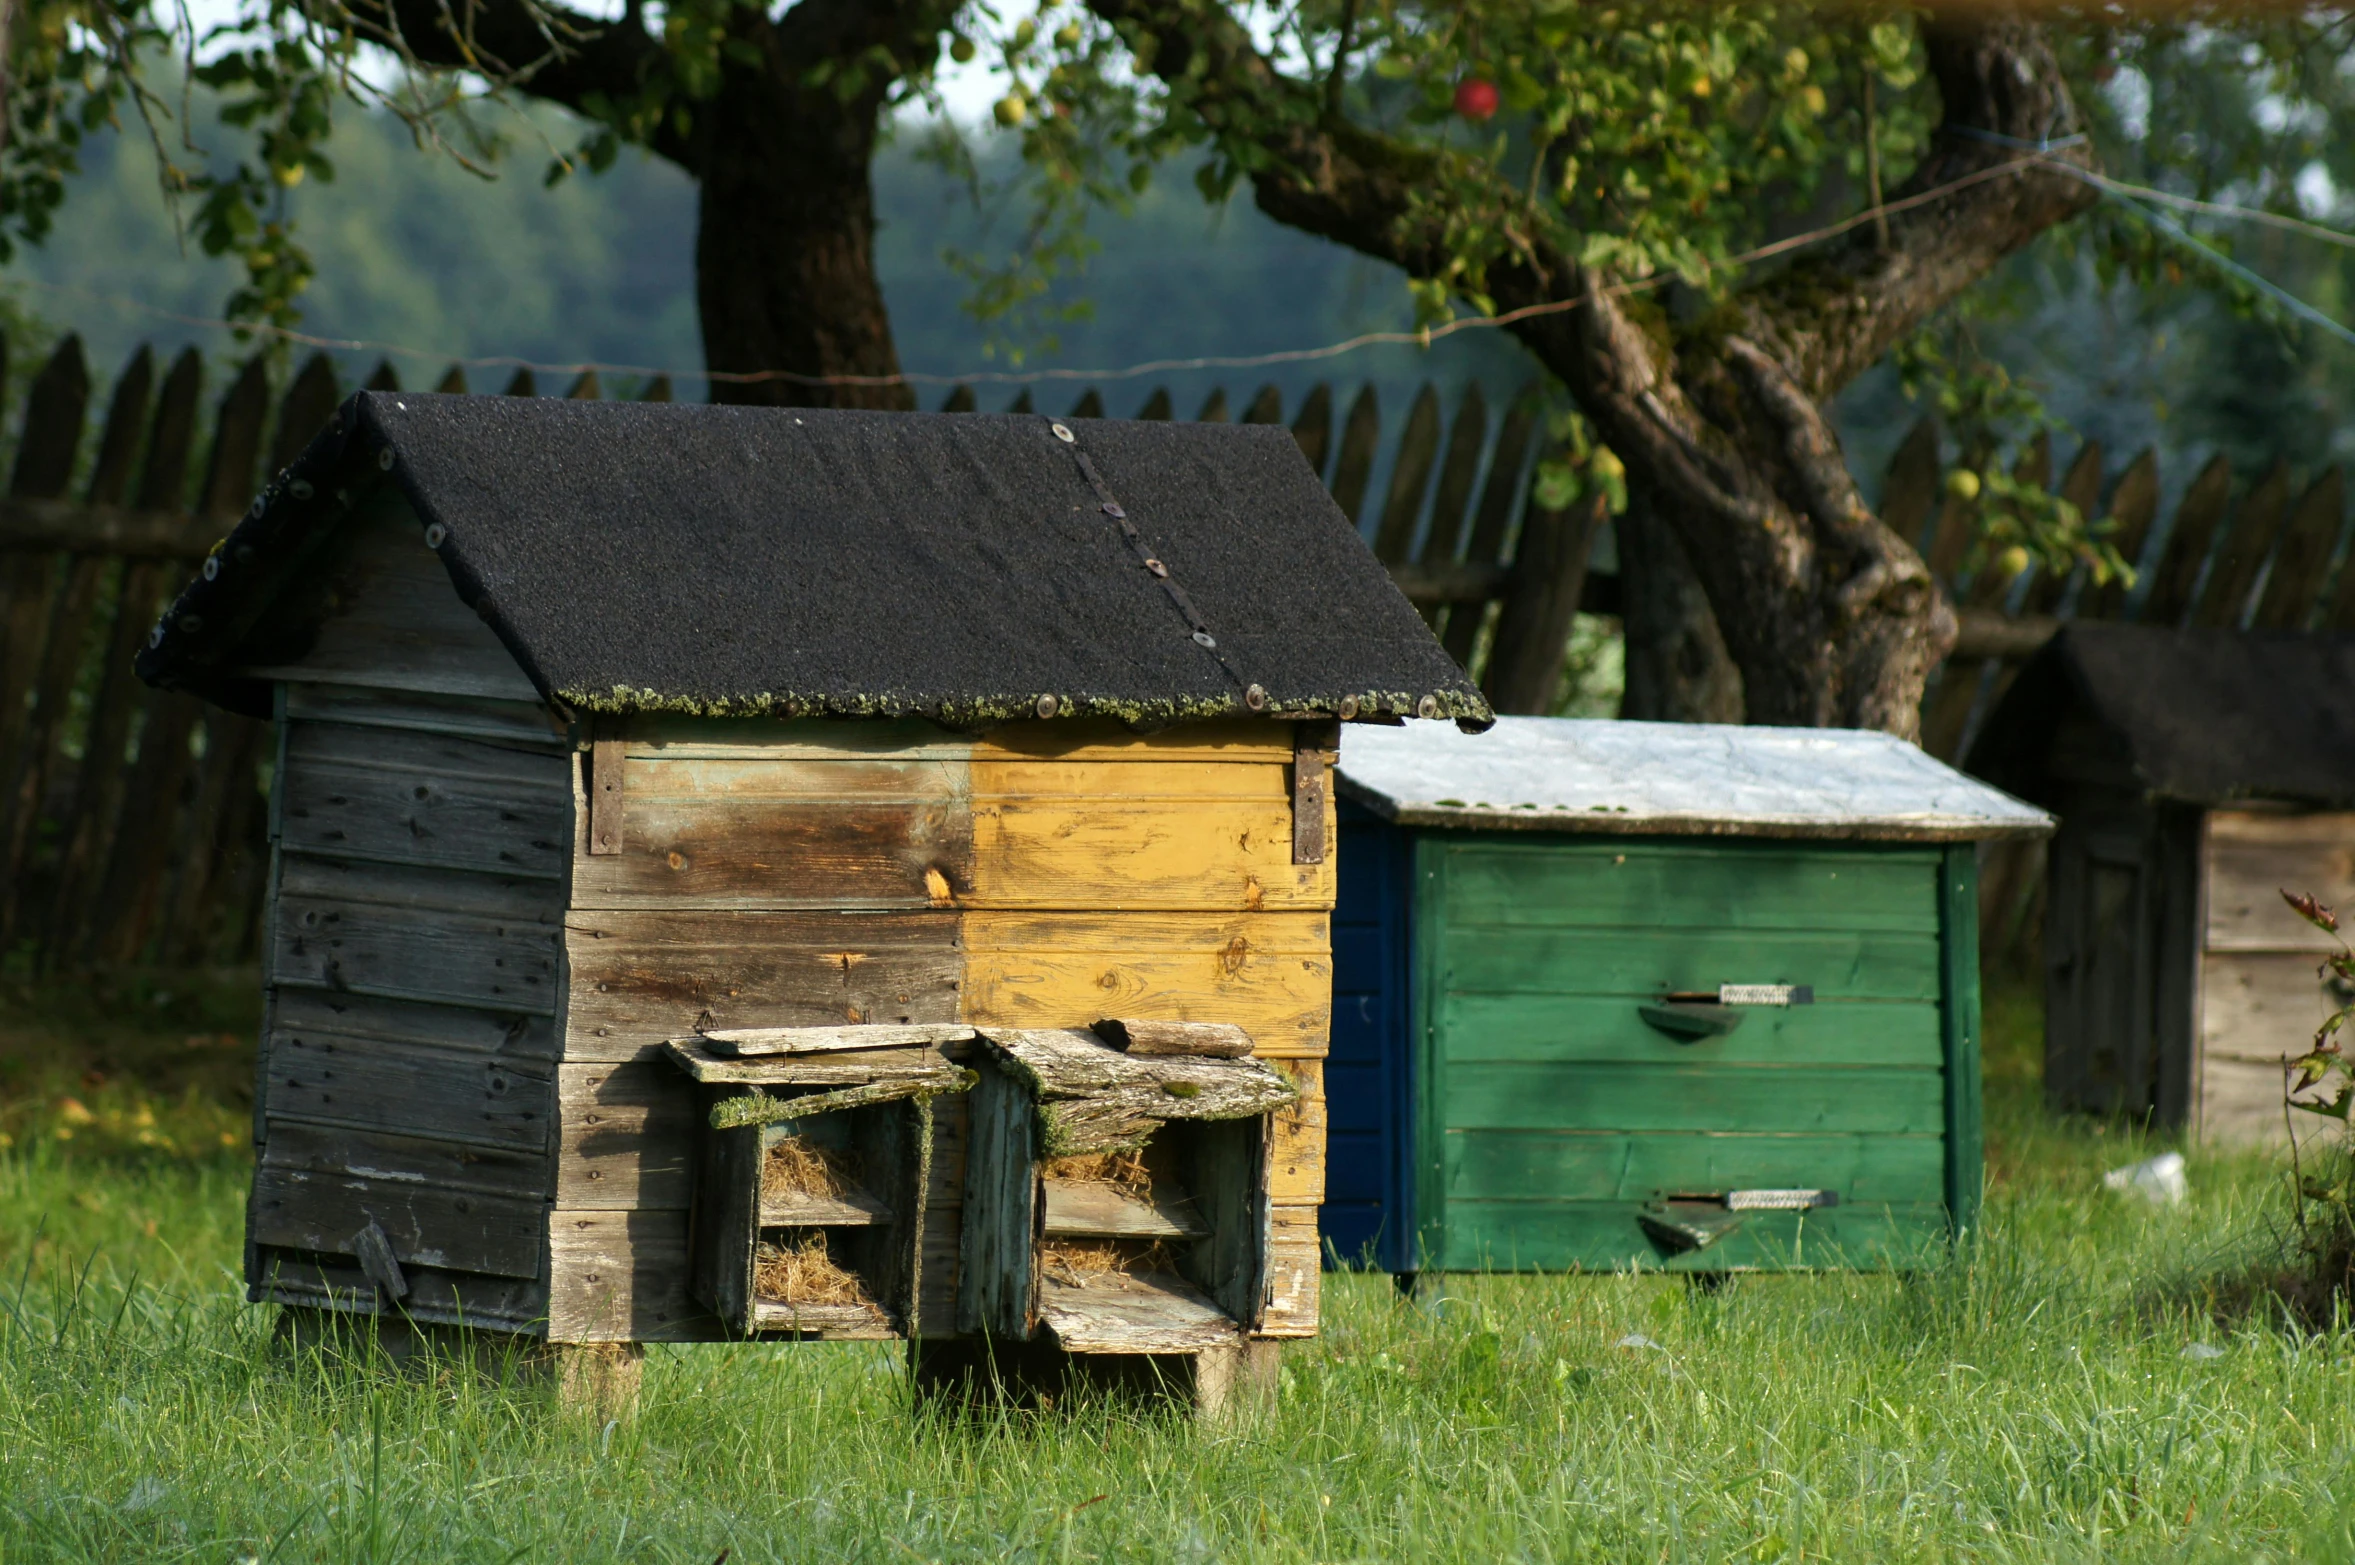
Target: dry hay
{"points": [[805, 1274], [799, 1166], [1078, 1261], [1125, 1170]]}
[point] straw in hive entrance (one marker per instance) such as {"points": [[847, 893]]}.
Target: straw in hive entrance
{"points": [[798, 1166], [805, 1274], [1123, 1169], [1083, 1260]]}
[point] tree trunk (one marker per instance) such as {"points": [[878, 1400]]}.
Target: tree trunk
{"points": [[1678, 670], [785, 244]]}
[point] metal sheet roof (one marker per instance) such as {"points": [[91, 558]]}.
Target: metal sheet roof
{"points": [[1692, 779]]}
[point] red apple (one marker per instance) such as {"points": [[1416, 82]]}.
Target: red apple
{"points": [[1476, 99]]}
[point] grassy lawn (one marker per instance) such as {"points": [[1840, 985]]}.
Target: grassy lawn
{"points": [[2037, 1402]]}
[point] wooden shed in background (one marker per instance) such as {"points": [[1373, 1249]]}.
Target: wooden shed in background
{"points": [[605, 725], [1613, 995], [2197, 774]]}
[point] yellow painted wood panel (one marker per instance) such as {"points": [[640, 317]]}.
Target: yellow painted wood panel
{"points": [[1169, 854], [1295, 1272], [1102, 739], [1114, 783], [1296, 1151], [1271, 975]]}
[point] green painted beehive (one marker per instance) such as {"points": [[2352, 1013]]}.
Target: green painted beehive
{"points": [[1613, 995]]}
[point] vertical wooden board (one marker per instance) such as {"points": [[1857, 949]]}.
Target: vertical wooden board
{"points": [[2253, 856], [1267, 406], [94, 819], [636, 978], [304, 411], [1533, 629], [1312, 431], [2247, 545], [2188, 539], [1296, 1139], [1958, 895], [219, 839], [1361, 433], [998, 1288], [1271, 974], [622, 1277], [237, 441], [2294, 584], [1451, 502], [626, 1135], [1410, 479], [145, 844], [725, 1231], [1500, 496], [1909, 490], [55, 406], [1295, 1273]]}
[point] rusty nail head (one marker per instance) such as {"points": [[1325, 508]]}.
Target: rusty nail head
{"points": [[1062, 434], [1157, 568], [1427, 707], [1205, 639], [1049, 705], [1348, 708]]}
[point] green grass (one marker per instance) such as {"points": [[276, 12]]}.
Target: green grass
{"points": [[2033, 1403]]}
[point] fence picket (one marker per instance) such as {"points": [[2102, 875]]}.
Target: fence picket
{"points": [[1158, 408], [1313, 429], [1451, 502], [385, 377], [1910, 490], [959, 400], [2294, 583], [1089, 405], [1410, 479], [1361, 432], [522, 384], [2188, 540], [304, 411], [1493, 520], [36, 585], [1267, 407], [585, 388], [2081, 487], [453, 381], [2243, 551], [1214, 407], [657, 390], [1525, 665]]}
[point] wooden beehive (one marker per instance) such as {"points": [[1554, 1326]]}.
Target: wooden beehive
{"points": [[2197, 774], [1115, 1201], [1614, 995], [603, 726]]}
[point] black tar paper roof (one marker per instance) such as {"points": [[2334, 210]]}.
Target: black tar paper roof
{"points": [[639, 557], [2201, 716]]}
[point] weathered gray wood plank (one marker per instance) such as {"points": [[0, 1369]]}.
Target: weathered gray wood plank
{"points": [[401, 1088], [1209, 1040], [1089, 1209], [460, 1230], [998, 1291], [622, 1277], [1119, 1313], [508, 1034], [639, 978], [747, 1042], [520, 1173], [421, 934], [626, 1136], [408, 797], [511, 723]]}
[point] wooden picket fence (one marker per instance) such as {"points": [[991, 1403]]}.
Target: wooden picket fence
{"points": [[2251, 553], [132, 825]]}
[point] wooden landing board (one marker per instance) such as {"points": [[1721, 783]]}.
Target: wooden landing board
{"points": [[825, 1322], [1091, 1209], [1116, 1312], [851, 1209], [766, 1042]]}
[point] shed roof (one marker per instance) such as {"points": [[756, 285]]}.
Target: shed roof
{"points": [[767, 561], [2199, 716], [1674, 779]]}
